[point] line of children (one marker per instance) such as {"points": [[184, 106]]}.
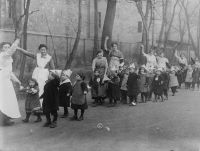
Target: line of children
{"points": [[143, 82], [58, 91]]}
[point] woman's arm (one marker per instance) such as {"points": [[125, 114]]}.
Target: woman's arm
{"points": [[15, 79], [27, 53], [106, 43], [176, 55], [106, 68], [93, 64], [13, 48], [142, 50]]}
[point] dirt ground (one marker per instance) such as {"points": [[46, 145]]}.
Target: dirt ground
{"points": [[173, 125]]}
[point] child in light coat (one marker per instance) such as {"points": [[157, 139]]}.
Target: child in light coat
{"points": [[173, 81]]}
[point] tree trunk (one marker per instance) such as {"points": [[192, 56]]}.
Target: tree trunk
{"points": [[75, 47], [164, 21], [108, 24], [166, 36], [187, 17], [96, 28], [146, 22], [26, 12]]}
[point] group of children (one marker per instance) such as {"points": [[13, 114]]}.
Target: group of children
{"points": [[192, 76], [58, 91], [126, 83], [131, 81]]}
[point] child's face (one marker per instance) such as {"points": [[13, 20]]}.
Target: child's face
{"points": [[142, 70], [50, 77], [158, 72], [131, 70], [31, 83], [96, 73], [64, 76], [78, 77]]}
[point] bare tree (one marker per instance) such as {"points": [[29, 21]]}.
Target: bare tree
{"points": [[166, 35], [185, 5], [146, 20], [75, 47], [108, 23], [96, 28], [164, 20], [26, 14], [16, 17]]}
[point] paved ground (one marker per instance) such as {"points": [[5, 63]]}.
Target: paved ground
{"points": [[170, 126]]}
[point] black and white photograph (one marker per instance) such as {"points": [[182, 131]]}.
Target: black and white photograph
{"points": [[99, 75]]}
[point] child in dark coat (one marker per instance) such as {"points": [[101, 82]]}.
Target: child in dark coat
{"points": [[32, 104], [114, 89], [65, 91], [123, 86], [132, 86], [165, 77], [78, 100], [95, 83], [195, 76], [51, 99], [150, 77], [158, 85]]}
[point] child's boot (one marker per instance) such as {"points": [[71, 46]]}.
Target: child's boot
{"points": [[26, 120], [39, 119]]}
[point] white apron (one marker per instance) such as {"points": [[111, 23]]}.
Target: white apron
{"points": [[8, 100], [40, 73]]}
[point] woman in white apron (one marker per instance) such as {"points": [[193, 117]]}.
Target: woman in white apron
{"points": [[44, 63], [151, 59], [8, 101]]}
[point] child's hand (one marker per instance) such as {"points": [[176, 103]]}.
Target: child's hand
{"points": [[33, 91], [21, 88], [98, 80]]}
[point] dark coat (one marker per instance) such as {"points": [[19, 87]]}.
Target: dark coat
{"points": [[132, 84], [78, 97], [158, 85], [50, 96], [65, 92], [114, 88], [165, 77], [142, 83], [195, 75]]}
